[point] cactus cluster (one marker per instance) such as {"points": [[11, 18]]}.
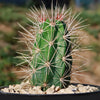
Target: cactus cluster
{"points": [[51, 43]]}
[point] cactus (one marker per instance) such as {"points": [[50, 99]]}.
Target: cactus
{"points": [[49, 52], [50, 46]]}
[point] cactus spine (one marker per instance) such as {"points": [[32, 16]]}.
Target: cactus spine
{"points": [[50, 46]]}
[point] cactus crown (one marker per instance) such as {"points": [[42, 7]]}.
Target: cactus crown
{"points": [[51, 43]]}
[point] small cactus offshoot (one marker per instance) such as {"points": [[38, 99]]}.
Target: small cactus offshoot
{"points": [[51, 42]]}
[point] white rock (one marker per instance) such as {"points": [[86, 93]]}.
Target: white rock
{"points": [[57, 88], [23, 92], [50, 90], [17, 87], [79, 85], [65, 91], [5, 90]]}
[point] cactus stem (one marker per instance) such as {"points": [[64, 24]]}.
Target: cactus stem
{"points": [[53, 55], [45, 40], [55, 66]]}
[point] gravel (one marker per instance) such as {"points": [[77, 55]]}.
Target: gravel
{"points": [[27, 88]]}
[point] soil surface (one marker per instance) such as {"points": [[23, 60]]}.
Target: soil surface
{"points": [[26, 88]]}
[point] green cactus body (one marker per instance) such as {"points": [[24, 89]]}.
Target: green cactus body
{"points": [[50, 64], [51, 42], [44, 71], [63, 71]]}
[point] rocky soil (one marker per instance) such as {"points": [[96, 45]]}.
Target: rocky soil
{"points": [[26, 88]]}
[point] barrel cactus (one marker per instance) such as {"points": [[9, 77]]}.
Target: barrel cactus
{"points": [[51, 42]]}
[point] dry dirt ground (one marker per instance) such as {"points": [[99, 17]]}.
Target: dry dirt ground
{"points": [[5, 28]]}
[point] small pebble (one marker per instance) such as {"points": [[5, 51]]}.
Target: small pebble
{"points": [[57, 88], [50, 90]]}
